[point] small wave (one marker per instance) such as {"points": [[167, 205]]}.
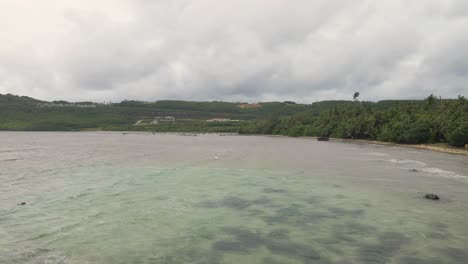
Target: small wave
{"points": [[56, 259], [16, 150], [378, 154], [69, 227], [114, 194], [444, 173], [36, 256], [19, 178], [78, 195], [54, 232], [8, 160], [402, 161], [387, 180]]}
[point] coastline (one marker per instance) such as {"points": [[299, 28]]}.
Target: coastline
{"points": [[432, 147]]}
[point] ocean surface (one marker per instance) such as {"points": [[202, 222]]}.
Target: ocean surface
{"points": [[114, 198]]}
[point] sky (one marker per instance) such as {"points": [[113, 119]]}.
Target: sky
{"points": [[233, 50]]}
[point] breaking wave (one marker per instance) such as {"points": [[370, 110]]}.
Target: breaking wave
{"points": [[403, 161], [444, 173]]}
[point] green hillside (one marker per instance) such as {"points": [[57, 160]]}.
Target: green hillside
{"points": [[24, 113]]}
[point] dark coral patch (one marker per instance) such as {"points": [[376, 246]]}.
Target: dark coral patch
{"points": [[295, 250], [235, 202], [274, 190], [248, 238], [279, 234], [208, 204], [345, 212], [457, 255], [389, 244], [261, 201], [231, 246]]}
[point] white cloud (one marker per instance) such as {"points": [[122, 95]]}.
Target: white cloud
{"points": [[233, 50]]}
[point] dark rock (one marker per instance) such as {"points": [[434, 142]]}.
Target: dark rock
{"points": [[23, 203], [414, 170], [431, 196]]}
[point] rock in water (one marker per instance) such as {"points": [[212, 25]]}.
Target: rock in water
{"points": [[22, 203], [431, 196]]}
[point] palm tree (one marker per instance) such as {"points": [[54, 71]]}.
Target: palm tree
{"points": [[355, 96], [430, 102]]}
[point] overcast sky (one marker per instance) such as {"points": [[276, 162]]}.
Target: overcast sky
{"points": [[233, 50]]}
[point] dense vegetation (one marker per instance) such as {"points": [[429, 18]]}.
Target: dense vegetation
{"points": [[417, 121], [410, 122]]}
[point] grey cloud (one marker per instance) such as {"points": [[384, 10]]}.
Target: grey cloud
{"points": [[237, 50]]}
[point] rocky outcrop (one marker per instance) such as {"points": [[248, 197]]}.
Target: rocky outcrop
{"points": [[431, 196]]}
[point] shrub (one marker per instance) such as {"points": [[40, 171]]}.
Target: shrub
{"points": [[458, 136]]}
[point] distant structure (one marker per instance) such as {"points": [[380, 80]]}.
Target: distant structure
{"points": [[222, 120], [155, 121], [170, 118], [249, 106], [165, 119]]}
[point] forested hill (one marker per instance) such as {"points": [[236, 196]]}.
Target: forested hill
{"points": [[431, 120], [14, 100], [25, 113]]}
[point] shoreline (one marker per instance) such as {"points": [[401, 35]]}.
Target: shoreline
{"points": [[432, 147]]}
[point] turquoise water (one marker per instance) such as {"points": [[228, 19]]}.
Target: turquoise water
{"points": [[142, 198]]}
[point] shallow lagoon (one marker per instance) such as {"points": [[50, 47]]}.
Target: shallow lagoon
{"points": [[142, 198]]}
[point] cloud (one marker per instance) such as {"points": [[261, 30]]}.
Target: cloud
{"points": [[249, 50]]}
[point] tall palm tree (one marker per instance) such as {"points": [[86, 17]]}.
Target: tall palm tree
{"points": [[356, 95], [430, 102]]}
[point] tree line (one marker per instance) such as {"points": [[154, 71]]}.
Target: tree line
{"points": [[432, 121]]}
